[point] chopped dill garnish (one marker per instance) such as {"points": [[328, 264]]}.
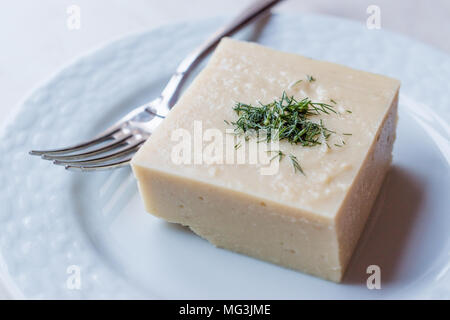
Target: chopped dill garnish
{"points": [[348, 111], [279, 154], [347, 134], [295, 164], [284, 119], [296, 83], [332, 101], [310, 78], [237, 145], [226, 122]]}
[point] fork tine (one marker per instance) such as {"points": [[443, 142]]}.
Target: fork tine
{"points": [[104, 137], [105, 148], [112, 165], [104, 159]]}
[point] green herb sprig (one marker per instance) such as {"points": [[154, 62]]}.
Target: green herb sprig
{"points": [[310, 78], [295, 164], [285, 118]]}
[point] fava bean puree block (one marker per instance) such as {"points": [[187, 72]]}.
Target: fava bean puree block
{"points": [[308, 221]]}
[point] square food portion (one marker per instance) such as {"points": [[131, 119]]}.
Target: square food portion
{"points": [[308, 221]]}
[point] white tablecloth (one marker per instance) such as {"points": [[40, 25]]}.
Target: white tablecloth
{"points": [[36, 40]]}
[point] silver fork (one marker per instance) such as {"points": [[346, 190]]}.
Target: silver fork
{"points": [[115, 147]]}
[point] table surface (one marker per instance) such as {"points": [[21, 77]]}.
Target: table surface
{"points": [[36, 40]]}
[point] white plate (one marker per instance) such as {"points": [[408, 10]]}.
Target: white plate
{"points": [[51, 219]]}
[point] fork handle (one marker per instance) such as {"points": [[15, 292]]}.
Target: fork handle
{"points": [[170, 93]]}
